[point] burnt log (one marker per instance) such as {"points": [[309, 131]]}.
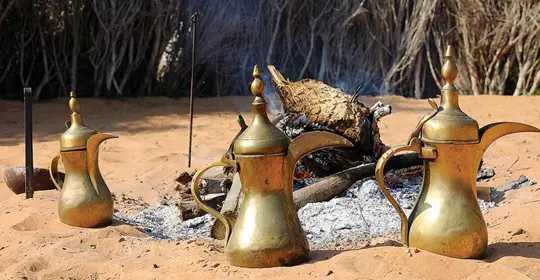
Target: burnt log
{"points": [[190, 209], [336, 184], [310, 105], [41, 180], [213, 193], [229, 208]]}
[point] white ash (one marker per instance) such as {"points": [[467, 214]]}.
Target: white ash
{"points": [[338, 221], [486, 206], [292, 125], [365, 206], [165, 221], [363, 214]]}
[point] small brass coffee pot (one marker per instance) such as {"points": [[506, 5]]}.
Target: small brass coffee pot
{"points": [[267, 232], [85, 199], [447, 219]]}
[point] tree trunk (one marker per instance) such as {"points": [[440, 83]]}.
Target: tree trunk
{"points": [[270, 52], [468, 60], [521, 79], [417, 77], [505, 74], [74, 61], [535, 83], [310, 52], [324, 61]]}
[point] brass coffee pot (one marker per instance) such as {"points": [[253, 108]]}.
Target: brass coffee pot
{"points": [[447, 219], [267, 232], [85, 199]]}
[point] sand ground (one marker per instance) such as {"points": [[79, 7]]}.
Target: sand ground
{"points": [[152, 151]]}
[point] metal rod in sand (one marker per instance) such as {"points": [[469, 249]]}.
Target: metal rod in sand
{"points": [[194, 19], [29, 158]]}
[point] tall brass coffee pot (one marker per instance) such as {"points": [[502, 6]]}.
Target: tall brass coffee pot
{"points": [[446, 218], [85, 199], [267, 232]]}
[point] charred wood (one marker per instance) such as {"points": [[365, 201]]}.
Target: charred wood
{"points": [[311, 105]]}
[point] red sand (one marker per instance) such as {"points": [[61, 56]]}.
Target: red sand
{"points": [[152, 151]]}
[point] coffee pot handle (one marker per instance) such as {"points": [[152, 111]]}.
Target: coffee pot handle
{"points": [[197, 196], [414, 146], [53, 172]]}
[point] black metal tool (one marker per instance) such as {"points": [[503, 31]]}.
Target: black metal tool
{"points": [[194, 20], [29, 158]]}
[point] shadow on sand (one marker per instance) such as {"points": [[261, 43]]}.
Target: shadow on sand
{"points": [[500, 250], [322, 255], [129, 115]]}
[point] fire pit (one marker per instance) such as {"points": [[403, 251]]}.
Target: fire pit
{"points": [[349, 221]]}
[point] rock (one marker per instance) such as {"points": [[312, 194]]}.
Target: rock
{"points": [[329, 273], [121, 239], [496, 195], [485, 173], [41, 180], [522, 181], [156, 266], [214, 265], [184, 178]]}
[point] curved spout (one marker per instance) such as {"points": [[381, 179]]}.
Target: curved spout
{"points": [[92, 147], [491, 132], [311, 141]]}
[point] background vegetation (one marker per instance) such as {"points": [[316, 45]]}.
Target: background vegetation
{"points": [[110, 48]]}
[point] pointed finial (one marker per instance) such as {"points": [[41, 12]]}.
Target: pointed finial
{"points": [[74, 103], [257, 86], [449, 69]]}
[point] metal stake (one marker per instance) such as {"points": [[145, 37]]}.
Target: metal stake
{"points": [[194, 20], [29, 159]]}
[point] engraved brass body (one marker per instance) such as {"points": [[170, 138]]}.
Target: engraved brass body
{"points": [[447, 219], [85, 199], [267, 232]]}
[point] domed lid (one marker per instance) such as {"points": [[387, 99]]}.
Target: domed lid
{"points": [[261, 137], [77, 134], [450, 124]]}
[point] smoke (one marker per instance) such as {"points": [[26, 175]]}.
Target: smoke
{"points": [[231, 38], [365, 82], [275, 107]]}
